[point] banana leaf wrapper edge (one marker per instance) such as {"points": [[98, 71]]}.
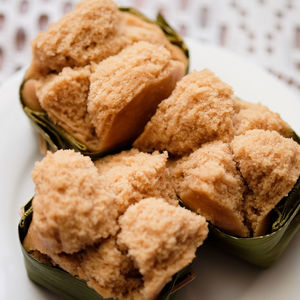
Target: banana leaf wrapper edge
{"points": [[264, 250], [70, 287], [261, 251]]}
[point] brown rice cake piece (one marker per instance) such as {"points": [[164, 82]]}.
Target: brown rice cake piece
{"points": [[161, 239], [270, 165], [88, 33], [93, 31], [257, 116], [208, 182], [109, 271], [71, 211], [133, 175], [64, 98], [199, 110], [126, 89]]}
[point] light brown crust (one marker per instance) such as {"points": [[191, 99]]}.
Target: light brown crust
{"points": [[161, 239], [93, 31], [199, 110], [126, 89], [71, 211], [154, 239], [133, 175], [270, 165], [257, 116], [208, 182], [29, 96], [64, 98], [88, 33]]}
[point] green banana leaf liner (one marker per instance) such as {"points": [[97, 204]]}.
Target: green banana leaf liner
{"points": [[264, 250], [64, 284], [58, 138]]}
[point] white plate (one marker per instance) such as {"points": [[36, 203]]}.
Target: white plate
{"points": [[219, 276]]}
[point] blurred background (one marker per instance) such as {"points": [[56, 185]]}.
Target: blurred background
{"points": [[265, 31]]}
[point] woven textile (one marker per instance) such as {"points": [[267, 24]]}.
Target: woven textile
{"points": [[265, 31]]}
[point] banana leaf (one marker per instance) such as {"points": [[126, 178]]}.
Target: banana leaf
{"points": [[58, 138], [264, 250], [64, 284]]}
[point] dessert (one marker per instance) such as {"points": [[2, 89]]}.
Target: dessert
{"points": [[125, 90], [126, 253], [235, 186], [104, 111], [257, 116], [103, 78], [270, 166], [64, 97], [64, 222], [93, 31], [76, 57], [133, 175], [199, 110], [209, 183]]}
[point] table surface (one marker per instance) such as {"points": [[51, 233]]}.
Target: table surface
{"points": [[266, 31]]}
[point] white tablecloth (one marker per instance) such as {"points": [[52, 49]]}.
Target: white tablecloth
{"points": [[266, 31]]}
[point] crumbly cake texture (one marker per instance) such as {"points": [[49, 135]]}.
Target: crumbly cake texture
{"points": [[155, 241], [136, 30], [133, 175], [161, 239], [208, 182], [236, 185], [104, 111], [64, 97], [110, 272], [199, 110], [126, 89], [103, 266], [58, 80], [71, 211], [76, 224], [93, 31], [257, 116], [77, 189], [270, 165], [88, 33]]}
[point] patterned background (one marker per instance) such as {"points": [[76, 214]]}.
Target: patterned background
{"points": [[266, 31]]}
